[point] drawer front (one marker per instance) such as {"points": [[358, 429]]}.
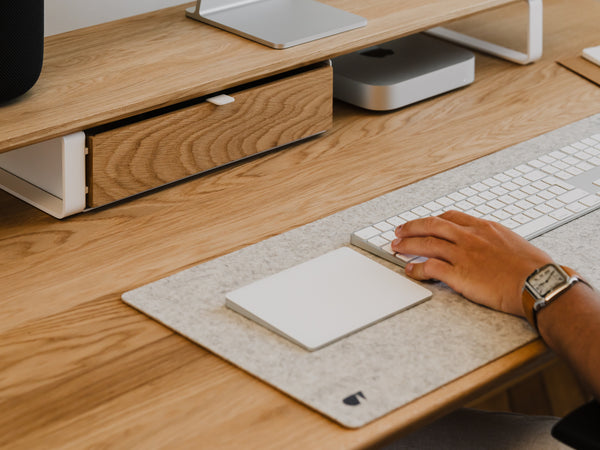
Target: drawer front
{"points": [[152, 152]]}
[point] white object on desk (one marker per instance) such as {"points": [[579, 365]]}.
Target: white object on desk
{"points": [[535, 41], [326, 298], [276, 23], [592, 54], [49, 175]]}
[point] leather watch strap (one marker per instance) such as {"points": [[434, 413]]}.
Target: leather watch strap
{"points": [[529, 300]]}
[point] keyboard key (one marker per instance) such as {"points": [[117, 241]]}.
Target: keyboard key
{"points": [[479, 187], [408, 216], [421, 211], [502, 177], [488, 195], [495, 204], [499, 190], [405, 258], [546, 195], [378, 241], [572, 196], [389, 235], [536, 163], [433, 206], [584, 155], [445, 201], [468, 191], [510, 224], [576, 207], [591, 200], [550, 169], [536, 200], [512, 173], [367, 233], [534, 175], [560, 165], [513, 209], [555, 204], [574, 171], [384, 226], [571, 161], [524, 204], [547, 159], [519, 195], [569, 150], [534, 214], [523, 168], [491, 182], [561, 214], [457, 196], [585, 166], [501, 215], [510, 186], [530, 189], [396, 221], [521, 218], [540, 184], [534, 226], [557, 190]]}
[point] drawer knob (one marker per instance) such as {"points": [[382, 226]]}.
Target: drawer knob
{"points": [[220, 100]]}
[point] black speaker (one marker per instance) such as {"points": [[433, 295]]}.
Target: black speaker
{"points": [[21, 46]]}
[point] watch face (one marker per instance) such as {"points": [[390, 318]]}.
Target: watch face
{"points": [[547, 279]]}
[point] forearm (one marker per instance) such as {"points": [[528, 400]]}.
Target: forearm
{"points": [[571, 327]]}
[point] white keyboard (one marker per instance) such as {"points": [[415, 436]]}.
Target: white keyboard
{"points": [[530, 199]]}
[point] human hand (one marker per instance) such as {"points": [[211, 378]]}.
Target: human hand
{"points": [[482, 260]]}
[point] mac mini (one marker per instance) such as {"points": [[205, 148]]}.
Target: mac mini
{"points": [[401, 72]]}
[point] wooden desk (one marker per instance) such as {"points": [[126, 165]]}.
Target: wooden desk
{"points": [[78, 368]]}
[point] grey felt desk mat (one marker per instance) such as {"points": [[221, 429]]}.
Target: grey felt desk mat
{"points": [[395, 361]]}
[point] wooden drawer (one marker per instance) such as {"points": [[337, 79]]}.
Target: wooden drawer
{"points": [[133, 158]]}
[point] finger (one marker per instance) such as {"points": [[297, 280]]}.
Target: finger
{"points": [[428, 246], [460, 218], [436, 226], [432, 269]]}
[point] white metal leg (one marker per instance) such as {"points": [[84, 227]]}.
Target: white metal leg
{"points": [[534, 38], [49, 175]]}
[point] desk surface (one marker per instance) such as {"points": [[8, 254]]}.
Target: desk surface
{"points": [[80, 368]]}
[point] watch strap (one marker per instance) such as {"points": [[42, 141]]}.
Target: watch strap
{"points": [[529, 300]]}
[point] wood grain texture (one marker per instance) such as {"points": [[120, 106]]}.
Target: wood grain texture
{"points": [[149, 153], [110, 71], [78, 368]]}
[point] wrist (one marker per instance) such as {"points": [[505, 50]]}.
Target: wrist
{"points": [[545, 286]]}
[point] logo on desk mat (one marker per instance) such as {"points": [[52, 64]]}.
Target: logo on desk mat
{"points": [[354, 399]]}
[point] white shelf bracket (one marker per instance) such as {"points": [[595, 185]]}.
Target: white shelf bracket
{"points": [[534, 38], [49, 175]]}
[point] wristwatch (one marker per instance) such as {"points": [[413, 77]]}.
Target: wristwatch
{"points": [[544, 286]]}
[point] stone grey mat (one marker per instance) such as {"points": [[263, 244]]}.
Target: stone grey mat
{"points": [[388, 364]]}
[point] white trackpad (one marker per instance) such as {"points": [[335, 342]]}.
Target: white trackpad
{"points": [[324, 299]]}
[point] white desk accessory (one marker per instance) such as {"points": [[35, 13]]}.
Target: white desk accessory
{"points": [[326, 298], [275, 23], [404, 71], [535, 38], [592, 54]]}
